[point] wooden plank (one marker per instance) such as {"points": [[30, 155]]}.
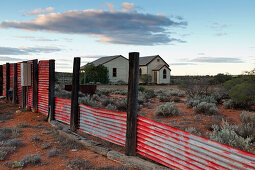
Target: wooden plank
{"points": [[130, 147], [51, 110], [35, 86], [15, 83], [75, 94]]}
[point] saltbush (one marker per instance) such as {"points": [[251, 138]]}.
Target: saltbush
{"points": [[194, 101], [206, 108], [193, 130], [247, 117], [111, 107], [226, 134], [228, 104], [167, 109]]}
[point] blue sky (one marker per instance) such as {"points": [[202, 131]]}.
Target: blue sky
{"points": [[197, 37]]}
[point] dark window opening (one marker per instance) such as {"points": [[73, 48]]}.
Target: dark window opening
{"points": [[164, 74], [158, 60], [114, 72]]}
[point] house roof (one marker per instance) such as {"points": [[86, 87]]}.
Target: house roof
{"points": [[144, 61], [104, 60], [159, 67]]}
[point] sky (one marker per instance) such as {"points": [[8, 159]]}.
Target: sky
{"points": [[195, 37]]}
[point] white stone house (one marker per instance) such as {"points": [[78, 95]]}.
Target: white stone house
{"points": [[156, 67], [117, 67]]}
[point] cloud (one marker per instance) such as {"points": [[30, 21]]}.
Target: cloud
{"points": [[39, 11], [216, 60], [116, 27], [180, 64], [128, 7], [27, 50], [35, 38], [221, 34], [6, 59]]}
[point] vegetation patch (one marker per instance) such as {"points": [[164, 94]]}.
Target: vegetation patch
{"points": [[167, 109], [206, 108]]}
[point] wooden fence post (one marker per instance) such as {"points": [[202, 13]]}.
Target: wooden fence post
{"points": [[15, 84], [24, 94], [1, 78], [130, 147], [7, 81], [35, 86], [75, 92], [51, 110]]}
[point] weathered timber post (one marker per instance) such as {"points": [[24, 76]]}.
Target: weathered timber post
{"points": [[15, 84], [24, 94], [7, 80], [130, 147], [51, 110], [1, 77], [75, 93], [35, 86]]}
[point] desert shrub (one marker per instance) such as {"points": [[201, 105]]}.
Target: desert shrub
{"points": [[66, 143], [53, 152], [111, 107], [245, 130], [28, 160], [104, 91], [226, 134], [13, 142], [36, 139], [149, 93], [141, 89], [4, 151], [206, 108], [176, 99], [181, 94], [164, 98], [219, 94], [194, 101], [107, 101], [121, 92], [247, 117], [120, 82], [87, 100], [122, 105], [228, 104], [46, 145], [63, 94], [146, 78], [174, 92], [193, 130], [141, 98], [167, 109], [80, 164], [220, 78]]}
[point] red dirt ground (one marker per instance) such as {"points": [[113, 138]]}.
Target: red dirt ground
{"points": [[57, 162]]}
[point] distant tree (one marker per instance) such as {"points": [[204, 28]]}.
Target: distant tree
{"points": [[95, 74], [220, 78]]}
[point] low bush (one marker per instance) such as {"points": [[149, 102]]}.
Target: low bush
{"points": [[145, 78], [53, 152], [141, 98], [122, 105], [164, 98], [194, 101], [13, 142], [111, 107], [247, 117], [206, 108], [193, 130], [167, 109], [107, 101], [80, 164], [228, 104], [176, 99], [226, 134], [88, 101], [46, 145], [4, 151]]}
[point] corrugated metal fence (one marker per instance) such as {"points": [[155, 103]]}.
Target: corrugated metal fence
{"points": [[43, 86], [62, 110], [19, 87], [4, 80], [108, 125]]}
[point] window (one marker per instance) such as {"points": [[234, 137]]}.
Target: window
{"points": [[114, 72], [164, 74], [140, 71]]}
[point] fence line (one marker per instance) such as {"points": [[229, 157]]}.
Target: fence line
{"points": [[166, 145]]}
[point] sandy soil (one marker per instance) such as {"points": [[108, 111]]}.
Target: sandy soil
{"points": [[57, 162]]}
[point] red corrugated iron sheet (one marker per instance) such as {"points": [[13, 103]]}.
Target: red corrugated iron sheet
{"points": [[11, 76], [178, 149], [108, 125], [30, 88], [63, 110], [4, 80], [19, 87], [43, 86]]}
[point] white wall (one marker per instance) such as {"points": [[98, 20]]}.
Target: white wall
{"points": [[153, 65], [160, 76], [122, 69]]}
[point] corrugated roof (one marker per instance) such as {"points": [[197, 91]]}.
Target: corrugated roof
{"points": [[103, 60], [146, 60], [160, 66]]}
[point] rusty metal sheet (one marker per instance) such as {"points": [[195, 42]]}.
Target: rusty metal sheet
{"points": [[108, 125], [11, 76], [43, 86], [19, 87], [30, 88], [62, 110], [178, 149]]}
